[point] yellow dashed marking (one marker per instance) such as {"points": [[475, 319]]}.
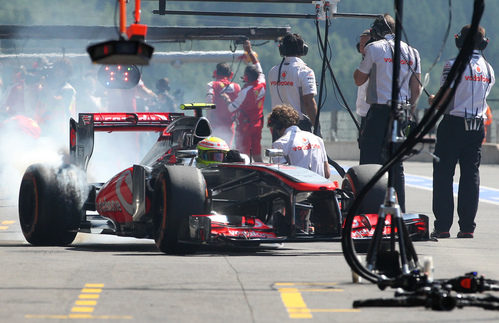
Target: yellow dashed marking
{"points": [[79, 316], [321, 290], [91, 290], [79, 302], [295, 304], [5, 224], [84, 306], [87, 292], [81, 309], [89, 296]]}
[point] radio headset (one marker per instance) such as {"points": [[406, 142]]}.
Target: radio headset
{"points": [[379, 29], [293, 46], [480, 43]]}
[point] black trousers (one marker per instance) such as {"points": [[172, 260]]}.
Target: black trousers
{"points": [[374, 146], [455, 144]]}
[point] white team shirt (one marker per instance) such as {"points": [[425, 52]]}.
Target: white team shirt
{"points": [[361, 106], [302, 148], [378, 63], [296, 79], [470, 100]]}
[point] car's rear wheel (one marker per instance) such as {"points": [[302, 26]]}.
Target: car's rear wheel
{"points": [[180, 191], [50, 204], [356, 178]]}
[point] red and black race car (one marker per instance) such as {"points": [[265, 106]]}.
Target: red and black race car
{"points": [[167, 199]]}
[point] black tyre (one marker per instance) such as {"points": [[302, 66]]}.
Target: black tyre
{"points": [[180, 191], [357, 177], [50, 204]]}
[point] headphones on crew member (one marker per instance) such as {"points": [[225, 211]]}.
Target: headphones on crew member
{"points": [[380, 28], [480, 41], [292, 45]]}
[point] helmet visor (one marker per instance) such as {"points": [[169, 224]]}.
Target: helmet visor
{"points": [[212, 155]]}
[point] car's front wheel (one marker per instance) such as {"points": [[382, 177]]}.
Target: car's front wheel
{"points": [[180, 191]]}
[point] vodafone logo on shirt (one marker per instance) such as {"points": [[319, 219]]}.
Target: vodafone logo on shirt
{"points": [[306, 147], [477, 78], [283, 82], [402, 61]]}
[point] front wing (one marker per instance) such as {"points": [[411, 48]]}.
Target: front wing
{"points": [[216, 228]]}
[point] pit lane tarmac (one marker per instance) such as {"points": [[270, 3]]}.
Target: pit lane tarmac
{"points": [[103, 278]]}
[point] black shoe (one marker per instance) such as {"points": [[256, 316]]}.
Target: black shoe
{"points": [[465, 235], [439, 235]]}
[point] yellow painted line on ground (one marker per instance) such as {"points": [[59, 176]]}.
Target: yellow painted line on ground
{"points": [[91, 290], [4, 227], [80, 302], [82, 309], [79, 316], [7, 222], [321, 290], [294, 303], [89, 296]]}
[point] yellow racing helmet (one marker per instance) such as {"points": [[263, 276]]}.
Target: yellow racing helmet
{"points": [[211, 150]]}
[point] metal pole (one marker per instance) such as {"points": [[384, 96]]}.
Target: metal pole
{"points": [[395, 86], [234, 14]]}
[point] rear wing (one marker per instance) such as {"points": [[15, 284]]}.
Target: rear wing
{"points": [[81, 133]]}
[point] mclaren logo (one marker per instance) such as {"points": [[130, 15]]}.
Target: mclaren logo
{"points": [[109, 206]]}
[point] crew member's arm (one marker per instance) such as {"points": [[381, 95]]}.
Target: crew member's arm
{"points": [[445, 72], [210, 93], [415, 88], [238, 101], [327, 172], [359, 77], [431, 98], [251, 53], [309, 106], [361, 74]]}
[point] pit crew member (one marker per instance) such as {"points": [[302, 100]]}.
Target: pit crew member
{"points": [[301, 148], [376, 68], [221, 118], [248, 108], [459, 139], [292, 82]]}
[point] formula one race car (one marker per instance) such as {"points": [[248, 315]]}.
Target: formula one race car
{"points": [[180, 206]]}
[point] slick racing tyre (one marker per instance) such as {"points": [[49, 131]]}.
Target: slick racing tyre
{"points": [[356, 178], [180, 191], [50, 204]]}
